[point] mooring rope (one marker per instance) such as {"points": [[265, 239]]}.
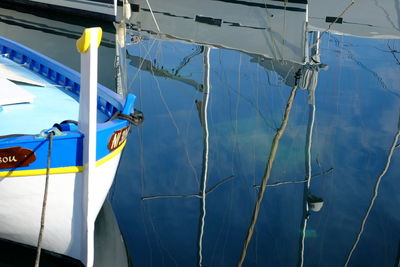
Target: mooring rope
{"points": [[42, 218]]}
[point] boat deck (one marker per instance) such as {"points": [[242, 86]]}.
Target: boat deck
{"points": [[49, 103]]}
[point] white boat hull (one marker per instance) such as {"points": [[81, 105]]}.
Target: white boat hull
{"points": [[21, 201]]}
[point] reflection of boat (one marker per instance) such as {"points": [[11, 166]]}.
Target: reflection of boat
{"points": [[273, 29], [209, 28], [368, 18], [275, 33], [53, 182]]}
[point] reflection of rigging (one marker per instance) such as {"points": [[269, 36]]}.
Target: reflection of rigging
{"points": [[375, 193], [306, 77], [267, 172], [379, 78], [203, 110], [186, 60], [147, 65]]}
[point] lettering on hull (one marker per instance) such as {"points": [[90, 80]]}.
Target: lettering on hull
{"points": [[118, 138], [16, 157]]}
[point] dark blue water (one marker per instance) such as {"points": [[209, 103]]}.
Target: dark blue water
{"points": [[357, 118], [158, 192]]}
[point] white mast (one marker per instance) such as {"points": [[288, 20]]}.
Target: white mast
{"points": [[88, 45]]}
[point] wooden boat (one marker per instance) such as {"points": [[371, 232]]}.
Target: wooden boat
{"points": [[109, 247], [53, 182]]}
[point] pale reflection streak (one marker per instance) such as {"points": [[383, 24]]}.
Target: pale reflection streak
{"points": [[375, 194], [206, 135]]}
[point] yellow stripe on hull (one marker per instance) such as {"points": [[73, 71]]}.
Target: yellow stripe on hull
{"points": [[71, 169]]}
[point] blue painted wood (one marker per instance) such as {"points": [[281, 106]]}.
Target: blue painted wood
{"points": [[53, 104]]}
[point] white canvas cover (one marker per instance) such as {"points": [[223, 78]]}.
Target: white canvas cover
{"points": [[11, 93]]}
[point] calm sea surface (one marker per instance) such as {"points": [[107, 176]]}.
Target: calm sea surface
{"points": [[187, 192]]}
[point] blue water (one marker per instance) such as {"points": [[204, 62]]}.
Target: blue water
{"points": [[357, 118], [158, 188]]}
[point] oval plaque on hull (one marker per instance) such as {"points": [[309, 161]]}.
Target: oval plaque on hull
{"points": [[118, 138], [15, 157]]}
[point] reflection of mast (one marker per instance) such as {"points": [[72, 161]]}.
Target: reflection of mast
{"points": [[203, 109], [267, 173], [308, 174], [204, 123], [310, 202], [375, 194]]}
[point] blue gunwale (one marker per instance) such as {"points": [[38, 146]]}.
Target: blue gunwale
{"points": [[67, 148]]}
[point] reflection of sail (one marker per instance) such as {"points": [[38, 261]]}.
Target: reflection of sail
{"points": [[357, 20], [376, 191], [270, 162], [276, 29]]}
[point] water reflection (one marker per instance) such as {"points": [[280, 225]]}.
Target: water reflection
{"points": [[260, 155], [332, 194]]}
